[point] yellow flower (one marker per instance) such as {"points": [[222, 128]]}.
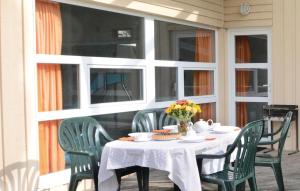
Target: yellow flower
{"points": [[188, 108], [177, 107], [168, 110], [195, 110], [199, 108]]}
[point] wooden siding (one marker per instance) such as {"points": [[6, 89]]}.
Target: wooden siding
{"points": [[208, 12], [12, 93], [286, 54], [261, 13]]}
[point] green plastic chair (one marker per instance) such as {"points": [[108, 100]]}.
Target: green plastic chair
{"points": [[83, 139], [151, 119], [147, 121], [243, 167], [274, 161]]}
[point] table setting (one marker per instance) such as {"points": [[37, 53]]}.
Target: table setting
{"points": [[172, 149]]}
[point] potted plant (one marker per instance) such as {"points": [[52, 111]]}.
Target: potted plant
{"points": [[183, 111]]}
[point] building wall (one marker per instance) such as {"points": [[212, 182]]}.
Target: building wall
{"points": [[260, 13], [286, 54], [13, 152]]}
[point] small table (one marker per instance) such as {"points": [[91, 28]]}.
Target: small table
{"points": [[175, 156], [276, 112]]}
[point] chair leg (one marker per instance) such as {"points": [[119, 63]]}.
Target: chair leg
{"points": [[73, 183], [96, 183], [278, 175], [118, 179], [252, 183], [220, 187], [146, 172], [241, 186], [139, 176], [228, 186]]}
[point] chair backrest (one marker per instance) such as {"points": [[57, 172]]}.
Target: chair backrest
{"points": [[284, 131], [151, 119], [245, 147], [82, 134]]}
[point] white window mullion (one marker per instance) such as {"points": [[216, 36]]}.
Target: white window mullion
{"points": [[149, 83], [251, 99], [84, 86], [180, 83], [149, 39]]}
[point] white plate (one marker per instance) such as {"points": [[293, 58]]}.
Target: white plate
{"points": [[223, 129], [173, 128], [147, 134], [142, 140], [192, 139]]}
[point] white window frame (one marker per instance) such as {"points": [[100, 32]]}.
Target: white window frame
{"points": [[84, 63], [233, 66]]}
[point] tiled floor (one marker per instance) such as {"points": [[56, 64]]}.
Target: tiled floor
{"points": [[265, 178]]}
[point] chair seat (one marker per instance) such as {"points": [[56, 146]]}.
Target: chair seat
{"points": [[225, 175], [265, 159], [83, 175]]}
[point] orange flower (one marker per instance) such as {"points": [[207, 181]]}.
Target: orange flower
{"points": [[182, 102]]}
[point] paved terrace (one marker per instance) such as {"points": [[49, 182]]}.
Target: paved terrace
{"points": [[265, 178]]}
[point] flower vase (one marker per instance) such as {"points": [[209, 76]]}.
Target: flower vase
{"points": [[183, 127]]}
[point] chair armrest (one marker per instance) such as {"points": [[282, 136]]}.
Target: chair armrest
{"points": [[81, 153], [208, 156], [216, 156], [268, 142]]}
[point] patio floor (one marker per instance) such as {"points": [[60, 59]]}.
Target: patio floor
{"points": [[265, 178]]}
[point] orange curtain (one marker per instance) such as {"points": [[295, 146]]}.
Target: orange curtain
{"points": [[243, 55], [49, 41], [206, 113], [203, 79]]}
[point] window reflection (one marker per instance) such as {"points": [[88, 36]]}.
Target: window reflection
{"points": [[198, 83], [252, 82], [183, 43], [251, 49], [165, 83], [92, 32], [115, 85], [117, 124]]}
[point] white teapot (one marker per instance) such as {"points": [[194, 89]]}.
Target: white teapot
{"points": [[202, 125]]}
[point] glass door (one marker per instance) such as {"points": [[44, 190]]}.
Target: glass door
{"points": [[250, 75]]}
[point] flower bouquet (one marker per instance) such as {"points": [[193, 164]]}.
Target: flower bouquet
{"points": [[183, 111]]}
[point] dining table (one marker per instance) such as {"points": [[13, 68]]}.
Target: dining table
{"points": [[177, 157]]}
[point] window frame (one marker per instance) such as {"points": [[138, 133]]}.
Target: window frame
{"points": [[233, 98], [147, 64]]}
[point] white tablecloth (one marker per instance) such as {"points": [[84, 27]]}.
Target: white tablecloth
{"points": [[176, 157]]}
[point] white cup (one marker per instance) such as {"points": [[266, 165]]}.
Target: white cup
{"points": [[172, 128], [141, 137]]}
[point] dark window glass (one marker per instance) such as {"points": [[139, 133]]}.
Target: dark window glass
{"points": [[118, 124], [248, 111], [251, 82], [92, 32], [251, 49], [183, 43], [70, 84], [165, 83], [198, 83], [115, 85]]}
